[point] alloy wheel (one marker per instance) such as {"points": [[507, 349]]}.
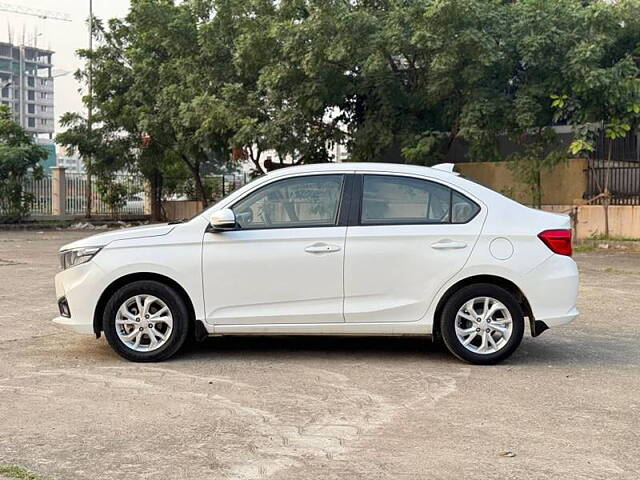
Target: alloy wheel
{"points": [[483, 325], [144, 323]]}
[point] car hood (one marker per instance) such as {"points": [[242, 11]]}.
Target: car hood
{"points": [[102, 239]]}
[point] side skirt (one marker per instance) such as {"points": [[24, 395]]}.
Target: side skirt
{"points": [[363, 329]]}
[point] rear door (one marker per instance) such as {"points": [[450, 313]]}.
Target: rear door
{"points": [[406, 237]]}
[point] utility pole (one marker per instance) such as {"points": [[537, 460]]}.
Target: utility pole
{"points": [[90, 111]]}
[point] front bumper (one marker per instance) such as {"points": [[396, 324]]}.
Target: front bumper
{"points": [[73, 325], [81, 287]]}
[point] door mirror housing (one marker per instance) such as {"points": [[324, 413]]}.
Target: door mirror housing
{"points": [[223, 220]]}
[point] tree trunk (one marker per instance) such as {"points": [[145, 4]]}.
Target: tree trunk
{"points": [[200, 190], [255, 158], [88, 187], [155, 187], [197, 180], [538, 187]]}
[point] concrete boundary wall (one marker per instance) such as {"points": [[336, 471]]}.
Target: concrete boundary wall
{"points": [[588, 220], [181, 209], [564, 184]]}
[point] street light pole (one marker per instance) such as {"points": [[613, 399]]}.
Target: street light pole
{"points": [[90, 110]]}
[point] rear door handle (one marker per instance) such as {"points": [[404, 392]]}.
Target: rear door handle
{"points": [[447, 244], [321, 247]]}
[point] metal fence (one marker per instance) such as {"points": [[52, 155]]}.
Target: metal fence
{"points": [[76, 195], [217, 186], [621, 174], [41, 194], [132, 186], [232, 182]]}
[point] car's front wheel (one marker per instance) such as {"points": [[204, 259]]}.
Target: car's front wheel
{"points": [[146, 321], [482, 324]]}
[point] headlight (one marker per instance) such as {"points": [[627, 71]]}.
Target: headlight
{"points": [[77, 256]]}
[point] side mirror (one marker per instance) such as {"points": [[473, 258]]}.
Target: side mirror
{"points": [[223, 220]]}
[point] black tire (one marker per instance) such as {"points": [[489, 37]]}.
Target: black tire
{"points": [[448, 318], [173, 301]]}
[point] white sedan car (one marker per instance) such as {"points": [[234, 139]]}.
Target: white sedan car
{"points": [[331, 249]]}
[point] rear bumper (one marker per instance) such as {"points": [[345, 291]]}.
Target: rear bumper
{"points": [[561, 320], [539, 326], [552, 291]]}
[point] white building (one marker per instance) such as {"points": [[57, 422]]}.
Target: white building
{"points": [[72, 162]]}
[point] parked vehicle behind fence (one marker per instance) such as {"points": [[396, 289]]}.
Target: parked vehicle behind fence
{"points": [[333, 249]]}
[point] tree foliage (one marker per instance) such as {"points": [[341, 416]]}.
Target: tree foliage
{"points": [[18, 157], [202, 78], [602, 75]]}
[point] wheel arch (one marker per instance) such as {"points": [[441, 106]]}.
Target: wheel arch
{"points": [[502, 282], [134, 277]]}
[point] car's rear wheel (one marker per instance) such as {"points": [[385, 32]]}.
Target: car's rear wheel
{"points": [[482, 324], [146, 321]]}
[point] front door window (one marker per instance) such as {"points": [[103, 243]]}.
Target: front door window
{"points": [[308, 201]]}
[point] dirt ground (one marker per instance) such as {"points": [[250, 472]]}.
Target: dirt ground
{"points": [[567, 404]]}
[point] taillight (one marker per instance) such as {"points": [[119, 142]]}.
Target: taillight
{"points": [[559, 241]]}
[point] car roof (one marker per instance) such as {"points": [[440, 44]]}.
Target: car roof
{"points": [[363, 166]]}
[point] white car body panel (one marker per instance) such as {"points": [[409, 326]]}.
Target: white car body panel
{"points": [[394, 276], [393, 272], [266, 276], [383, 280]]}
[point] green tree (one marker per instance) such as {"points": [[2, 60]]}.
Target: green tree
{"points": [[19, 156], [203, 77], [151, 90], [113, 193], [540, 152], [602, 88]]}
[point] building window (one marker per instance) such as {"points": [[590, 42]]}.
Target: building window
{"points": [[43, 108], [31, 108], [31, 95], [31, 82], [31, 122]]}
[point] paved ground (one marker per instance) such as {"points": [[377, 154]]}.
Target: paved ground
{"points": [[567, 404]]}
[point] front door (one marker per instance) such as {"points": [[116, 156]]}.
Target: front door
{"points": [[410, 236], [284, 264]]}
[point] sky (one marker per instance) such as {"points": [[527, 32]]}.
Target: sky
{"points": [[64, 38]]}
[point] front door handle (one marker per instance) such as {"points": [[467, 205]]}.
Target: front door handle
{"points": [[447, 244], [321, 247]]}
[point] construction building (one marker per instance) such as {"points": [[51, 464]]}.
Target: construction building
{"points": [[26, 87]]}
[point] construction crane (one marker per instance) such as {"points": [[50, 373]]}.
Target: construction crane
{"points": [[35, 12]]}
